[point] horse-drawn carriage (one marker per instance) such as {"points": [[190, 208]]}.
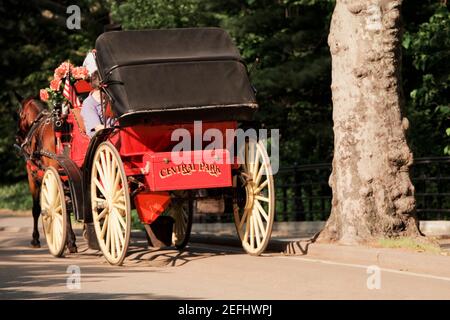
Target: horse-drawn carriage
{"points": [[159, 84]]}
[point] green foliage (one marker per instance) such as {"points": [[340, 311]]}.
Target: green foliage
{"points": [[288, 36], [144, 14], [34, 41], [427, 81], [15, 196]]}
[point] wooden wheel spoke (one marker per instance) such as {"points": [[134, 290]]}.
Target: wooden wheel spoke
{"points": [[252, 231], [259, 221], [256, 226], [46, 197], [119, 206], [58, 209], [102, 214], [53, 202], [105, 226], [256, 165], [180, 212], [111, 226], [114, 234], [114, 173], [261, 186], [250, 158], [258, 177], [247, 231], [58, 217], [103, 165], [118, 196], [116, 184], [56, 229], [53, 191], [261, 198], [121, 237], [261, 210], [54, 235], [108, 236], [242, 221], [108, 167], [100, 171], [122, 221], [100, 187], [258, 209]]}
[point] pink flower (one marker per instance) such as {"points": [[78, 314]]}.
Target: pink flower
{"points": [[43, 94], [55, 84], [80, 73], [63, 69]]}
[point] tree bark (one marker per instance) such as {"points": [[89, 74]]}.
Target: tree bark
{"points": [[373, 196]]}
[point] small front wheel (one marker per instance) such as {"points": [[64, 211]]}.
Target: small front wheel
{"points": [[53, 211]]}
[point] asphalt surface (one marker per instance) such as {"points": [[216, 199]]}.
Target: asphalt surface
{"points": [[203, 271]]}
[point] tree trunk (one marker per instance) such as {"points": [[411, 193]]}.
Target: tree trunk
{"points": [[373, 196]]}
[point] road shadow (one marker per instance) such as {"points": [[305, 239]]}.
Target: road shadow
{"points": [[140, 254], [300, 247], [27, 273]]}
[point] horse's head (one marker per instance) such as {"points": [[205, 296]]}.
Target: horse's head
{"points": [[29, 110]]}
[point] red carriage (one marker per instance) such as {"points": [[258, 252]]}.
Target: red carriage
{"points": [[157, 82]]}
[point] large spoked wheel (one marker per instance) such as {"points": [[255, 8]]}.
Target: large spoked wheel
{"points": [[181, 210], [110, 201], [53, 211], [254, 203]]}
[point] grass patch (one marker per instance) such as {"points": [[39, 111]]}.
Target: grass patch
{"points": [[136, 223], [411, 244], [15, 196]]}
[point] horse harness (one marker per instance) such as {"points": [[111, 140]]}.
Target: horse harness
{"points": [[32, 155]]}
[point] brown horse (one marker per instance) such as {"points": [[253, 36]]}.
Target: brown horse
{"points": [[35, 135]]}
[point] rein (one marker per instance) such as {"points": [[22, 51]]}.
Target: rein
{"points": [[43, 115]]}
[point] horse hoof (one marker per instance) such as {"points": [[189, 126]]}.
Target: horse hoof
{"points": [[35, 244], [73, 250]]}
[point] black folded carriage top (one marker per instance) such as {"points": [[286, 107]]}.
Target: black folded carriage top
{"points": [[175, 74]]}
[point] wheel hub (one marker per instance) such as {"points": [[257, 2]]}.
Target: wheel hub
{"points": [[249, 189]]}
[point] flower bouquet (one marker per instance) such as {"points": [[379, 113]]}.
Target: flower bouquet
{"points": [[56, 94]]}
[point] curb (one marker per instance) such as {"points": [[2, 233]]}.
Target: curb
{"points": [[274, 245], [387, 258]]}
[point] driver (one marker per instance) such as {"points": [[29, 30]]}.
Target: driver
{"points": [[91, 110]]}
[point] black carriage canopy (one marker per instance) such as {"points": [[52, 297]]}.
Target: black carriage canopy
{"points": [[194, 73]]}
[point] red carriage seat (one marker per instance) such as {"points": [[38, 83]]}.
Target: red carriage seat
{"points": [[82, 86]]}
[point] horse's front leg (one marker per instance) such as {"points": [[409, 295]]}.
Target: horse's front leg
{"points": [[35, 243], [71, 238]]}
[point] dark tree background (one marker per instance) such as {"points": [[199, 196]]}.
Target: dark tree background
{"points": [[288, 36]]}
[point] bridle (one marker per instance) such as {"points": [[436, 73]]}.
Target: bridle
{"points": [[43, 115]]}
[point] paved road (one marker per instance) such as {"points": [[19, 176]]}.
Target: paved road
{"points": [[201, 272]]}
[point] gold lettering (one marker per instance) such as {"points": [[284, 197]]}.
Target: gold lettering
{"points": [[188, 169]]}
